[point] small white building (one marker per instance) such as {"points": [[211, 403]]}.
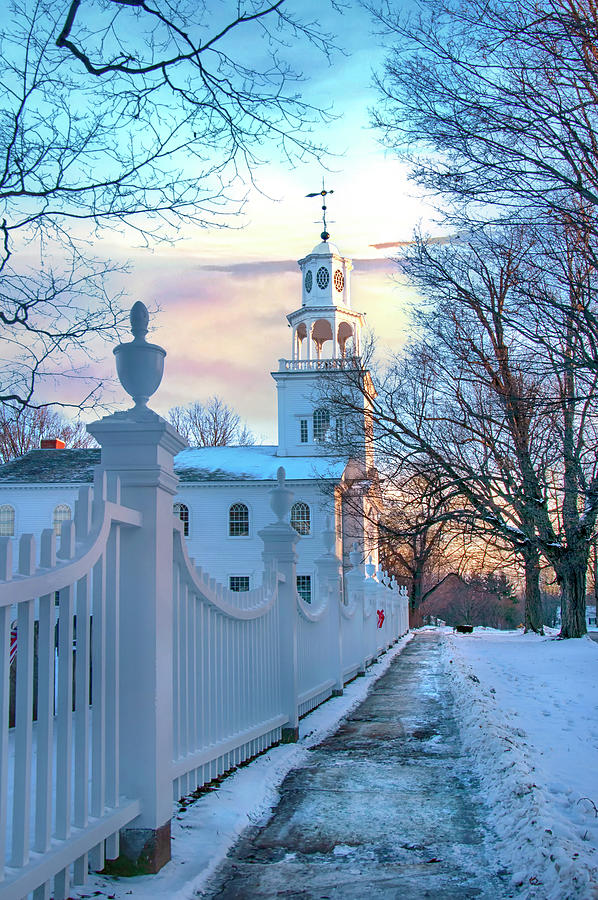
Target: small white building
{"points": [[223, 497]]}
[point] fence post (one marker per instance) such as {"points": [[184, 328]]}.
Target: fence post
{"points": [[355, 589], [139, 447], [329, 569], [280, 557]]}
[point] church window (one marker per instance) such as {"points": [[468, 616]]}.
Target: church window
{"points": [[7, 520], [301, 518], [238, 520], [182, 511], [309, 280], [303, 428], [339, 281], [322, 277], [238, 582], [304, 587], [62, 513], [321, 423]]}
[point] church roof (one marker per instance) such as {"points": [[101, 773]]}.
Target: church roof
{"points": [[258, 463], [51, 466]]}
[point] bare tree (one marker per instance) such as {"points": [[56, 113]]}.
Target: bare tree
{"points": [[418, 539], [514, 413], [495, 102], [24, 430], [132, 118], [213, 424]]}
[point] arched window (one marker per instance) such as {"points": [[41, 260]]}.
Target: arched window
{"points": [[238, 520], [301, 518], [7, 520], [62, 513], [321, 423], [182, 511]]}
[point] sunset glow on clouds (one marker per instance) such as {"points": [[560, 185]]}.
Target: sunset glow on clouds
{"points": [[224, 326], [223, 294]]}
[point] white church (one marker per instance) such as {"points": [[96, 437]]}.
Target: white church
{"points": [[223, 494]]}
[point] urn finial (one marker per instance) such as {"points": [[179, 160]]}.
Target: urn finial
{"points": [[355, 556], [329, 536], [139, 318], [370, 568], [280, 496], [139, 365]]}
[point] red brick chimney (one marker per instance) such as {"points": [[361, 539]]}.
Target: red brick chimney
{"points": [[53, 444]]}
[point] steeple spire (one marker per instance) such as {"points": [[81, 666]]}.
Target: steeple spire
{"points": [[323, 194]]}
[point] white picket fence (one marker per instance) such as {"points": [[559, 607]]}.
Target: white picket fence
{"points": [[245, 667], [248, 665], [60, 803], [151, 678]]}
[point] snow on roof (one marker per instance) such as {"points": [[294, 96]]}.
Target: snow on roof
{"points": [[259, 463]]}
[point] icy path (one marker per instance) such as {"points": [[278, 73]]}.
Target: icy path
{"points": [[386, 807]]}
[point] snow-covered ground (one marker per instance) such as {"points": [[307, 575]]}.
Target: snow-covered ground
{"points": [[529, 719], [204, 832], [529, 711]]}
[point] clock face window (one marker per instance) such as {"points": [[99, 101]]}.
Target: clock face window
{"points": [[322, 277], [309, 280], [339, 281]]}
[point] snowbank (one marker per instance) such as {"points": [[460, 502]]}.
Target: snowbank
{"points": [[205, 831], [529, 712]]}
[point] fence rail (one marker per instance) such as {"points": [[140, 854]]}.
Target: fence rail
{"points": [[60, 804], [137, 677], [225, 688], [244, 667]]}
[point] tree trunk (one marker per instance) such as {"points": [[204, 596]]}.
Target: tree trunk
{"points": [[417, 588], [534, 619], [595, 572], [571, 576]]}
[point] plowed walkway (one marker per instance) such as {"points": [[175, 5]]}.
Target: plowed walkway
{"points": [[386, 808]]}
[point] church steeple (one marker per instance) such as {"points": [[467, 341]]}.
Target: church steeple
{"points": [[325, 326], [325, 338]]}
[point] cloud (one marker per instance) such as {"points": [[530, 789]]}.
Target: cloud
{"points": [[254, 268], [223, 324]]}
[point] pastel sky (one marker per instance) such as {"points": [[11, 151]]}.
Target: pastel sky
{"points": [[223, 295]]}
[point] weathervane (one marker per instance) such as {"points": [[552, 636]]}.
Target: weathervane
{"points": [[323, 194]]}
